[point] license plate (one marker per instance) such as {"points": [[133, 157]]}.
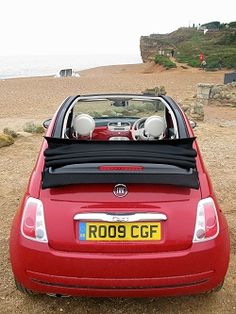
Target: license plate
{"points": [[102, 231]]}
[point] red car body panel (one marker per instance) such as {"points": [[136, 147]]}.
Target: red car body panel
{"points": [[196, 269], [172, 266], [102, 133]]}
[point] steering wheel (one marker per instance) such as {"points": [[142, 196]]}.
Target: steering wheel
{"points": [[137, 130]]}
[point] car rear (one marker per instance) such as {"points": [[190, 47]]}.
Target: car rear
{"points": [[123, 238], [169, 262]]}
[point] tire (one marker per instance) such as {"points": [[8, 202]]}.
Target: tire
{"points": [[23, 289], [217, 288]]}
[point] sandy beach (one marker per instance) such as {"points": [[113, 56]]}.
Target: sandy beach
{"points": [[35, 99], [38, 98]]}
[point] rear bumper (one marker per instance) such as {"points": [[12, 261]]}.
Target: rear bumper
{"points": [[198, 269]]}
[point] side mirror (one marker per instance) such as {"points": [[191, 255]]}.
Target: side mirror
{"points": [[193, 124], [46, 123]]}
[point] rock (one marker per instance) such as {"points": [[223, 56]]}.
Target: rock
{"points": [[193, 108], [6, 140], [152, 45], [186, 108], [204, 90], [216, 89], [31, 127], [155, 91], [10, 132]]}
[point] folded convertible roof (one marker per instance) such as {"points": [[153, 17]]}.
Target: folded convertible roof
{"points": [[91, 162]]}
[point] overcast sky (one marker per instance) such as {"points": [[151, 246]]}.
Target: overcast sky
{"points": [[35, 27]]}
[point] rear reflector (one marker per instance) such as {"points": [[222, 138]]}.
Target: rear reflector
{"points": [[207, 224], [33, 224], [121, 168]]}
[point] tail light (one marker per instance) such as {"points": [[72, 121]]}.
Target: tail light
{"points": [[207, 223], [33, 224]]}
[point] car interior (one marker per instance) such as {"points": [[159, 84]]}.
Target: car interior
{"points": [[120, 120]]}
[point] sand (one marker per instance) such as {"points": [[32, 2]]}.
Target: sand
{"points": [[38, 98]]}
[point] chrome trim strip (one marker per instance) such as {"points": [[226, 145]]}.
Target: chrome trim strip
{"points": [[112, 217]]}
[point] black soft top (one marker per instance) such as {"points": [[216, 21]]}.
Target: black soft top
{"points": [[79, 162]]}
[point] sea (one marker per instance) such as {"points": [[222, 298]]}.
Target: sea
{"points": [[50, 65]]}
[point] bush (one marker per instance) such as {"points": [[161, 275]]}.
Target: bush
{"points": [[229, 61], [10, 132], [5, 140], [109, 113], [193, 63], [95, 114], [31, 127], [232, 24], [165, 61]]}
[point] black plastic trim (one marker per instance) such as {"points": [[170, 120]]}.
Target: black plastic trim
{"points": [[56, 132], [137, 288], [182, 128]]}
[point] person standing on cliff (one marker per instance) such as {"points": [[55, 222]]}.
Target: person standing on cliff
{"points": [[202, 60], [201, 57], [172, 53]]}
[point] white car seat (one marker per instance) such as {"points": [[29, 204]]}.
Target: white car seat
{"points": [[154, 127], [83, 125]]}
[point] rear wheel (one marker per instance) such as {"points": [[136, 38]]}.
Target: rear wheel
{"points": [[23, 289], [217, 288]]}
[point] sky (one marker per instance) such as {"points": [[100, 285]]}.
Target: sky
{"points": [[63, 27]]}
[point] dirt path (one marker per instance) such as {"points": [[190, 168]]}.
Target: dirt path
{"points": [[217, 139]]}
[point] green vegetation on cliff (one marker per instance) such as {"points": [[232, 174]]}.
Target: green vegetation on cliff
{"points": [[165, 61], [217, 44], [219, 49]]}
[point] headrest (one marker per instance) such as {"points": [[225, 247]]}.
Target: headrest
{"points": [[83, 124], [154, 126]]}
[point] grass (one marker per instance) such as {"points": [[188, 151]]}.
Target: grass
{"points": [[10, 132], [6, 140], [31, 127], [215, 46], [189, 42], [165, 61]]}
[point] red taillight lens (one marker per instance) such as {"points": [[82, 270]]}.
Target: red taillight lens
{"points": [[207, 224], [210, 221], [29, 220], [33, 224]]}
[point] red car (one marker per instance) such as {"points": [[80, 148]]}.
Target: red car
{"points": [[119, 204]]}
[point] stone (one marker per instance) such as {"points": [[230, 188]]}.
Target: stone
{"points": [[155, 91], [203, 90], [5, 140]]}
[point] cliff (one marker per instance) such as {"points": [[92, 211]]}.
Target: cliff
{"points": [[216, 44]]}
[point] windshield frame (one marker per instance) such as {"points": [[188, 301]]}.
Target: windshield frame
{"points": [[120, 97]]}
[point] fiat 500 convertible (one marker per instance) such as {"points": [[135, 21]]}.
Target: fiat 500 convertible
{"points": [[119, 204]]}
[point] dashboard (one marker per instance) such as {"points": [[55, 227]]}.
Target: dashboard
{"points": [[115, 130]]}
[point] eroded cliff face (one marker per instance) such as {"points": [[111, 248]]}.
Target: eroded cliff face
{"points": [[163, 43], [153, 45]]}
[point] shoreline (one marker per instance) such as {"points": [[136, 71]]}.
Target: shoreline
{"points": [[75, 71], [34, 98], [150, 67]]}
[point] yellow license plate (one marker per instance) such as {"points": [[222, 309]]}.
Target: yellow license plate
{"points": [[102, 231]]}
